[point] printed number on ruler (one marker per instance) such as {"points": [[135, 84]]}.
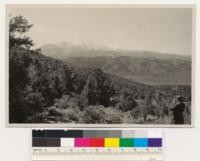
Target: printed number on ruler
{"points": [[51, 150]]}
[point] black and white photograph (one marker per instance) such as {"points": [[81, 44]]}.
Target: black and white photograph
{"points": [[100, 65]]}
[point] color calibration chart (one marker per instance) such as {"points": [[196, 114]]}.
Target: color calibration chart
{"points": [[95, 145]]}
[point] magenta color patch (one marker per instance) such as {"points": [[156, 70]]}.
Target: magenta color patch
{"points": [[82, 142]]}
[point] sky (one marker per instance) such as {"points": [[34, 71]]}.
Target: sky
{"points": [[167, 30]]}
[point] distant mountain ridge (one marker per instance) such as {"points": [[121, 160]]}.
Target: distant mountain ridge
{"points": [[147, 67], [66, 49]]}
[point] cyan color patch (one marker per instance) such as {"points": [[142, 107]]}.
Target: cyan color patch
{"points": [[140, 142]]}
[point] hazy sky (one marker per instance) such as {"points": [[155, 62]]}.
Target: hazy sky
{"points": [[156, 29]]}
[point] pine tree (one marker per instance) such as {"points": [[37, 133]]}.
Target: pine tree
{"points": [[17, 27]]}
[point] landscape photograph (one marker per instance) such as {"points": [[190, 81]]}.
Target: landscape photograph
{"points": [[100, 65]]}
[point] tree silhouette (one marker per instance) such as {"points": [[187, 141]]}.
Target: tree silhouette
{"points": [[17, 27]]}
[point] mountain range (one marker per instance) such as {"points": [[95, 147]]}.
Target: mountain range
{"points": [[153, 68]]}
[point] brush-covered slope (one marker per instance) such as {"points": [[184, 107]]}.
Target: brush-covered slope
{"points": [[47, 90]]}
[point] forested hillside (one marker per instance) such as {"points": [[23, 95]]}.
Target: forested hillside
{"points": [[46, 90]]}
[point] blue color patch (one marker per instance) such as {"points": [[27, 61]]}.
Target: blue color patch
{"points": [[140, 142]]}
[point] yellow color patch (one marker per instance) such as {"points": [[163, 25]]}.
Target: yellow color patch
{"points": [[111, 142]]}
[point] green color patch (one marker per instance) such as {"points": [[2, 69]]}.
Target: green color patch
{"points": [[126, 142]]}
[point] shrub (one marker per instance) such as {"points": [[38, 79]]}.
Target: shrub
{"points": [[113, 116], [70, 115], [94, 114], [136, 113], [100, 114]]}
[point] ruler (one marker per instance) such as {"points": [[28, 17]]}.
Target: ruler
{"points": [[108, 151]]}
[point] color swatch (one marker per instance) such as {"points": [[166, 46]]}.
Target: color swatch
{"points": [[96, 138], [140, 142], [126, 142], [111, 142]]}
